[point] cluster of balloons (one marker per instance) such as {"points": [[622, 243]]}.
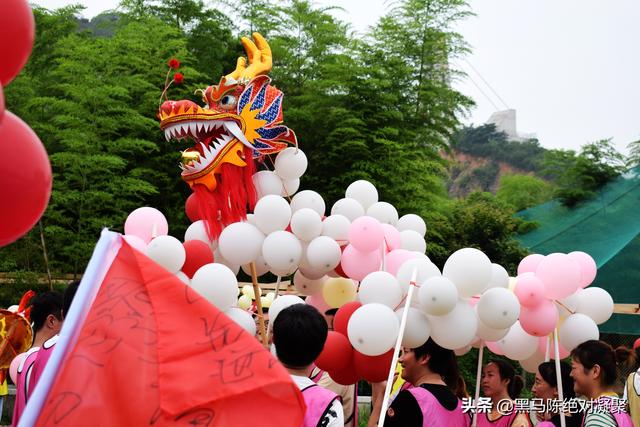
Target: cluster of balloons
{"points": [[25, 172]]}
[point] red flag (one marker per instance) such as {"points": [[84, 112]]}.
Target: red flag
{"points": [[153, 352]]}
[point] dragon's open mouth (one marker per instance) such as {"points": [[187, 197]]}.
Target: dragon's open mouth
{"points": [[213, 140]]}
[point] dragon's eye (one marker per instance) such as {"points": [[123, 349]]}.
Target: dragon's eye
{"points": [[228, 102]]}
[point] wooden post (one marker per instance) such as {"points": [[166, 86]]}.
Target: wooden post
{"points": [[256, 292]]}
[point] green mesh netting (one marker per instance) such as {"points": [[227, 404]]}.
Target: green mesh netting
{"points": [[608, 228]]}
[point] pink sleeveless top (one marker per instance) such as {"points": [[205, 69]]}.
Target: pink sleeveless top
{"points": [[622, 418], [503, 421], [38, 366], [25, 370], [434, 414], [353, 418], [318, 400]]}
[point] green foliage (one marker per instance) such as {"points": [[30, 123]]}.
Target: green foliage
{"points": [[578, 176], [523, 191]]}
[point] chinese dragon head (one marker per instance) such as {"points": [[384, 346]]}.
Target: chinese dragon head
{"points": [[239, 123]]}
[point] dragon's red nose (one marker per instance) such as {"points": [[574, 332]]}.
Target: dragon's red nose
{"points": [[169, 108]]}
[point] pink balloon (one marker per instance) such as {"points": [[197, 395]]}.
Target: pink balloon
{"points": [[366, 234], [391, 237], [135, 242], [529, 263], [539, 321], [357, 265], [542, 346], [316, 300], [394, 260], [588, 267], [13, 367], [529, 290], [560, 275], [146, 223], [495, 348]]}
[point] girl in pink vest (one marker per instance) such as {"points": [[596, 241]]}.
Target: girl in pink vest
{"points": [[433, 372], [501, 385], [593, 369], [299, 334]]}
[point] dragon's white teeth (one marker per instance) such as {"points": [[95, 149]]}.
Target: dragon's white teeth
{"points": [[201, 127], [167, 135], [233, 128], [193, 128]]}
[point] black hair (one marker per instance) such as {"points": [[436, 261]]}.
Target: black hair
{"points": [[43, 305], [441, 361], [507, 372], [299, 334], [594, 352], [69, 293], [627, 358], [547, 371]]}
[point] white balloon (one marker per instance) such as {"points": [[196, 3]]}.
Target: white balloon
{"points": [[349, 208], [380, 287], [412, 222], [517, 344], [413, 241], [242, 318], [266, 183], [282, 251], [417, 329], [272, 213], [577, 329], [261, 266], [306, 286], [290, 187], [531, 364], [198, 231], [499, 277], [168, 252], [290, 163], [251, 219], [219, 259], [438, 296], [336, 226], [595, 303], [373, 329], [569, 303], [183, 277], [311, 273], [470, 270], [240, 243], [490, 334], [306, 224], [462, 351], [217, 284], [362, 191], [308, 199], [498, 308], [280, 304], [383, 212], [424, 268], [323, 254], [456, 329]]}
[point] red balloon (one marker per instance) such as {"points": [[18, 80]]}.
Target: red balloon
{"points": [[339, 271], [336, 353], [341, 319], [198, 254], [25, 178], [17, 31], [191, 208], [346, 376], [373, 368]]}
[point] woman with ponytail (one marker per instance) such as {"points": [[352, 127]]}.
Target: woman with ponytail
{"points": [[501, 384], [433, 373]]}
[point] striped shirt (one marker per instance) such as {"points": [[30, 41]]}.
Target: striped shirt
{"points": [[601, 418]]}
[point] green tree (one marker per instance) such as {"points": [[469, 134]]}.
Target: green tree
{"points": [[523, 191], [633, 159]]}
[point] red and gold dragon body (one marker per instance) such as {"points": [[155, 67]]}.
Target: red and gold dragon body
{"points": [[240, 121]]}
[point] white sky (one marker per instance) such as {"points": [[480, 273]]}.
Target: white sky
{"points": [[571, 68]]}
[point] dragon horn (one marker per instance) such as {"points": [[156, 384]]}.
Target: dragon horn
{"points": [[260, 59]]}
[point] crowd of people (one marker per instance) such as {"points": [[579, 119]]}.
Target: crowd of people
{"points": [[433, 392]]}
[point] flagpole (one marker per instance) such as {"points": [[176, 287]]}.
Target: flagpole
{"points": [[394, 361], [559, 376], [256, 292], [477, 393]]}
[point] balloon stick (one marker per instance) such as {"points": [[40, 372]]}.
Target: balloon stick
{"points": [[277, 287], [558, 375], [394, 361], [256, 292], [548, 348], [478, 376]]}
